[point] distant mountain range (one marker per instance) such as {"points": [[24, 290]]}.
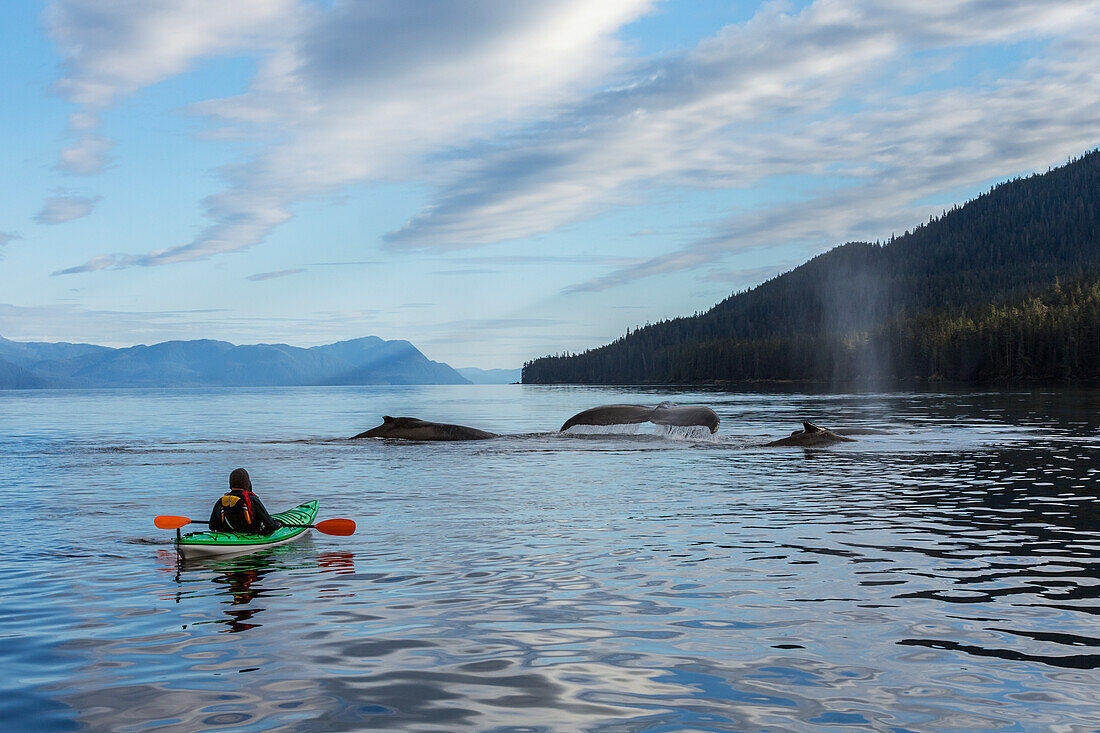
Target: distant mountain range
{"points": [[1004, 288], [490, 376], [204, 363]]}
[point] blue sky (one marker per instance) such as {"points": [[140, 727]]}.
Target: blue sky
{"points": [[493, 180]]}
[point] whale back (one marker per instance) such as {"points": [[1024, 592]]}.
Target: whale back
{"points": [[810, 436], [413, 428]]}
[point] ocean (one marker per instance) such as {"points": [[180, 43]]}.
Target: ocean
{"points": [[940, 576]]}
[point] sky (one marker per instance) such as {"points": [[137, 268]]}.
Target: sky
{"points": [[493, 180]]}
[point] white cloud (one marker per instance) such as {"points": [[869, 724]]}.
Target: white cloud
{"points": [[7, 238], [113, 49], [914, 149], [365, 91], [738, 108], [747, 276], [526, 118], [260, 276], [60, 209], [87, 156]]}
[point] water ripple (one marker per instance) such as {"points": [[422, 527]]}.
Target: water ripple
{"points": [[940, 575]]}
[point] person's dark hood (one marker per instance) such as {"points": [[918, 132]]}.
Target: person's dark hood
{"points": [[239, 480]]}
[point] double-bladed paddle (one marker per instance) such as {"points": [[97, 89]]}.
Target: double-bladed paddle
{"points": [[338, 527]]}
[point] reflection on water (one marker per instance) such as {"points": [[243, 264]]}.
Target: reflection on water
{"points": [[243, 580], [939, 576]]}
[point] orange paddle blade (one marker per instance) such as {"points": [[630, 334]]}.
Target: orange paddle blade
{"points": [[339, 527], [167, 521]]}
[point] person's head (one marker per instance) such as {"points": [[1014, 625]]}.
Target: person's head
{"points": [[239, 480]]}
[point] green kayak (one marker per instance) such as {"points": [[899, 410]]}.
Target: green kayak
{"points": [[198, 544]]}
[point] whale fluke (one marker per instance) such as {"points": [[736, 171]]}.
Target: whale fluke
{"points": [[665, 413], [411, 428], [810, 436], [610, 415]]}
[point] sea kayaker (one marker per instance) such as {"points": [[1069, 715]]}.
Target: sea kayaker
{"points": [[241, 510]]}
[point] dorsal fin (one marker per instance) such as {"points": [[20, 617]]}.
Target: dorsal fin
{"points": [[811, 428]]}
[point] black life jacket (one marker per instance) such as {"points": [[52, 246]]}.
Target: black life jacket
{"points": [[241, 511]]}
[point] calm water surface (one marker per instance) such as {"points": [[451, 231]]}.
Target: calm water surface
{"points": [[945, 576]]}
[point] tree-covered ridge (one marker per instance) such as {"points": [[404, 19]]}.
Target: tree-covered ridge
{"points": [[1053, 334], [865, 311]]}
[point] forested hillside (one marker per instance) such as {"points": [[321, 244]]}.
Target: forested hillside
{"points": [[1002, 288]]}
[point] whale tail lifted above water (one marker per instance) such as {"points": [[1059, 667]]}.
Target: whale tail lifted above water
{"points": [[665, 413]]}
